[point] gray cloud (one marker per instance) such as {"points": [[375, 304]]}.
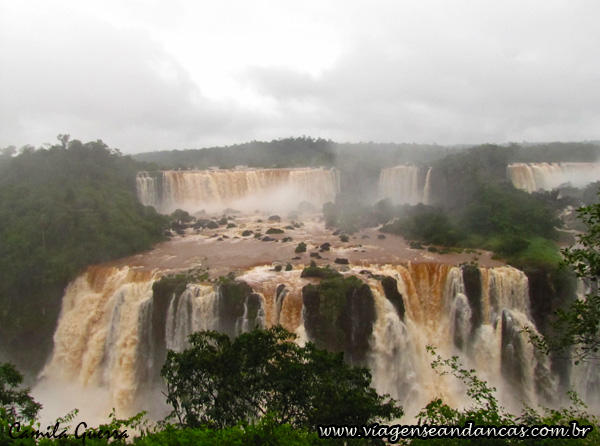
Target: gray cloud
{"points": [[504, 75], [96, 81], [428, 71]]}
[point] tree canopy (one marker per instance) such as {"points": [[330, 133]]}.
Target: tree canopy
{"points": [[222, 382], [61, 209], [15, 403]]}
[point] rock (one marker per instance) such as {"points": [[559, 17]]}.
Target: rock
{"points": [[230, 302], [381, 237], [305, 206], [274, 218], [390, 288], [325, 246], [301, 247], [201, 223], [341, 261], [340, 318]]}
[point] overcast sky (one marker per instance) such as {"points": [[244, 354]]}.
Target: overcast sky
{"points": [[146, 75]]}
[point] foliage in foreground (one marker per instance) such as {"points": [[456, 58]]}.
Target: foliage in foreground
{"points": [[576, 330], [265, 432], [221, 382], [15, 403], [486, 411], [270, 430]]}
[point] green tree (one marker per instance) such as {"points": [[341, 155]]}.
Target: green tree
{"points": [[62, 209], [16, 403], [485, 410], [222, 382]]}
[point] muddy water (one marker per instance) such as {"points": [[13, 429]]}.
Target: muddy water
{"points": [[222, 250]]}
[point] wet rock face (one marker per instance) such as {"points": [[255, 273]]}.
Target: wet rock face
{"points": [[252, 315], [472, 281], [253, 304], [356, 322], [390, 288], [231, 298], [547, 293], [162, 292], [339, 315], [512, 367]]}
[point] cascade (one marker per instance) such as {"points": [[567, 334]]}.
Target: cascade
{"points": [[105, 323], [439, 312], [148, 189], [547, 176], [108, 335], [244, 189], [405, 184], [194, 310]]}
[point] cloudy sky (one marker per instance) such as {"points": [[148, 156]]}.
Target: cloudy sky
{"points": [[146, 74]]}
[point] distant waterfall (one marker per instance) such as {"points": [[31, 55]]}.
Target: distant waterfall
{"points": [[106, 338], [405, 184], [248, 189], [547, 176]]}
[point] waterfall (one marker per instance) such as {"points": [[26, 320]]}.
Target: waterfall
{"points": [[547, 176], [405, 184], [98, 339], [439, 313], [105, 336], [427, 187], [246, 190], [194, 310], [147, 189]]}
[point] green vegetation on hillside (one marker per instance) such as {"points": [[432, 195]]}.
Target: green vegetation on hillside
{"points": [[474, 207], [61, 209], [297, 152]]}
